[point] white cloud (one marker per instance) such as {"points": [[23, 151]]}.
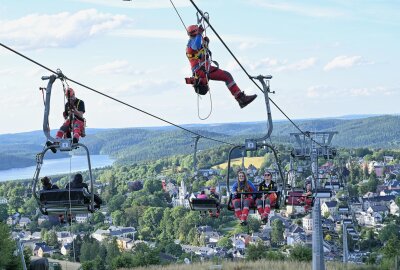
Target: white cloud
{"points": [[139, 4], [151, 33], [145, 87], [324, 91], [64, 29], [283, 65], [344, 61], [119, 67], [301, 9]]}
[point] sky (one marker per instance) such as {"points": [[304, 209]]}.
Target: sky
{"points": [[327, 58]]}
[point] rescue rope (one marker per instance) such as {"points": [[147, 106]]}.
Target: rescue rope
{"points": [[249, 76]]}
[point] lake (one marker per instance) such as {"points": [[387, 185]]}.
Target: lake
{"points": [[57, 166]]}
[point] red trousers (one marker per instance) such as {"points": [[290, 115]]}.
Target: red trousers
{"points": [[77, 126], [264, 206], [217, 74], [240, 213]]}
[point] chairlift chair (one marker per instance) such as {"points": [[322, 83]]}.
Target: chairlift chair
{"points": [[60, 201]]}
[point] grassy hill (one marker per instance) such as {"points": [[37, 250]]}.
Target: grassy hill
{"points": [[132, 145], [256, 161], [257, 265]]}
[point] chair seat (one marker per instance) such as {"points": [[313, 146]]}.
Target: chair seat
{"points": [[58, 201], [203, 204]]}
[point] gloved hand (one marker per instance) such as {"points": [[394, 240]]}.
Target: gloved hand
{"points": [[206, 40], [201, 29]]}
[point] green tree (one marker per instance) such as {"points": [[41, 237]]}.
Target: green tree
{"points": [[7, 246], [3, 212], [173, 249], [277, 231], [225, 242], [390, 231], [301, 253], [255, 252]]}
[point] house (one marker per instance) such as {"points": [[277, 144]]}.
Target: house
{"points": [[24, 221], [356, 204], [329, 207], [42, 219], [201, 251], [295, 235], [81, 218], [238, 244], [381, 209], [66, 249], [100, 234], [124, 243], [369, 219], [394, 209], [392, 192], [64, 237], [307, 222], [376, 200], [13, 219], [42, 250], [3, 200]]}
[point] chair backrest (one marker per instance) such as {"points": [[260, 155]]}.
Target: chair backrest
{"points": [[64, 197], [203, 204]]}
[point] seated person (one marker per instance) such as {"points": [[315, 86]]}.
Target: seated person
{"points": [[214, 195], [202, 195], [46, 183], [242, 202], [78, 183], [265, 201], [307, 197]]}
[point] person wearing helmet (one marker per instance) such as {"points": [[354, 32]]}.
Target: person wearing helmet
{"points": [[74, 110], [214, 195], [265, 201], [199, 57], [242, 202]]}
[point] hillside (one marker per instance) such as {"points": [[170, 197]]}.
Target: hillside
{"points": [[139, 144], [256, 265]]}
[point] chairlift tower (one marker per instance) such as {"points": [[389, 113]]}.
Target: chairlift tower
{"points": [[311, 145]]}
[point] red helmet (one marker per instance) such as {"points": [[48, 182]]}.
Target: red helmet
{"points": [[192, 30], [70, 93]]}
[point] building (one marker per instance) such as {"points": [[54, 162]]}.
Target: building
{"points": [[3, 200], [66, 249], [182, 198], [329, 207], [394, 209], [113, 231], [124, 243], [307, 222], [24, 221], [82, 218], [377, 200]]}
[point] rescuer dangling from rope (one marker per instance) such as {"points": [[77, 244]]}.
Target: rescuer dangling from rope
{"points": [[73, 115], [199, 58]]}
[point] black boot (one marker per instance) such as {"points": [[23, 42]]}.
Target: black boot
{"points": [[53, 149], [244, 100], [75, 140]]}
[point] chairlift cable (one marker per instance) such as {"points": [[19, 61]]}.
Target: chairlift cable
{"points": [[178, 14], [248, 75], [117, 100]]}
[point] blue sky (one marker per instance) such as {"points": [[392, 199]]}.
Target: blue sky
{"points": [[327, 58]]}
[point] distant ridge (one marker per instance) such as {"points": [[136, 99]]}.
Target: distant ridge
{"points": [[131, 145]]}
